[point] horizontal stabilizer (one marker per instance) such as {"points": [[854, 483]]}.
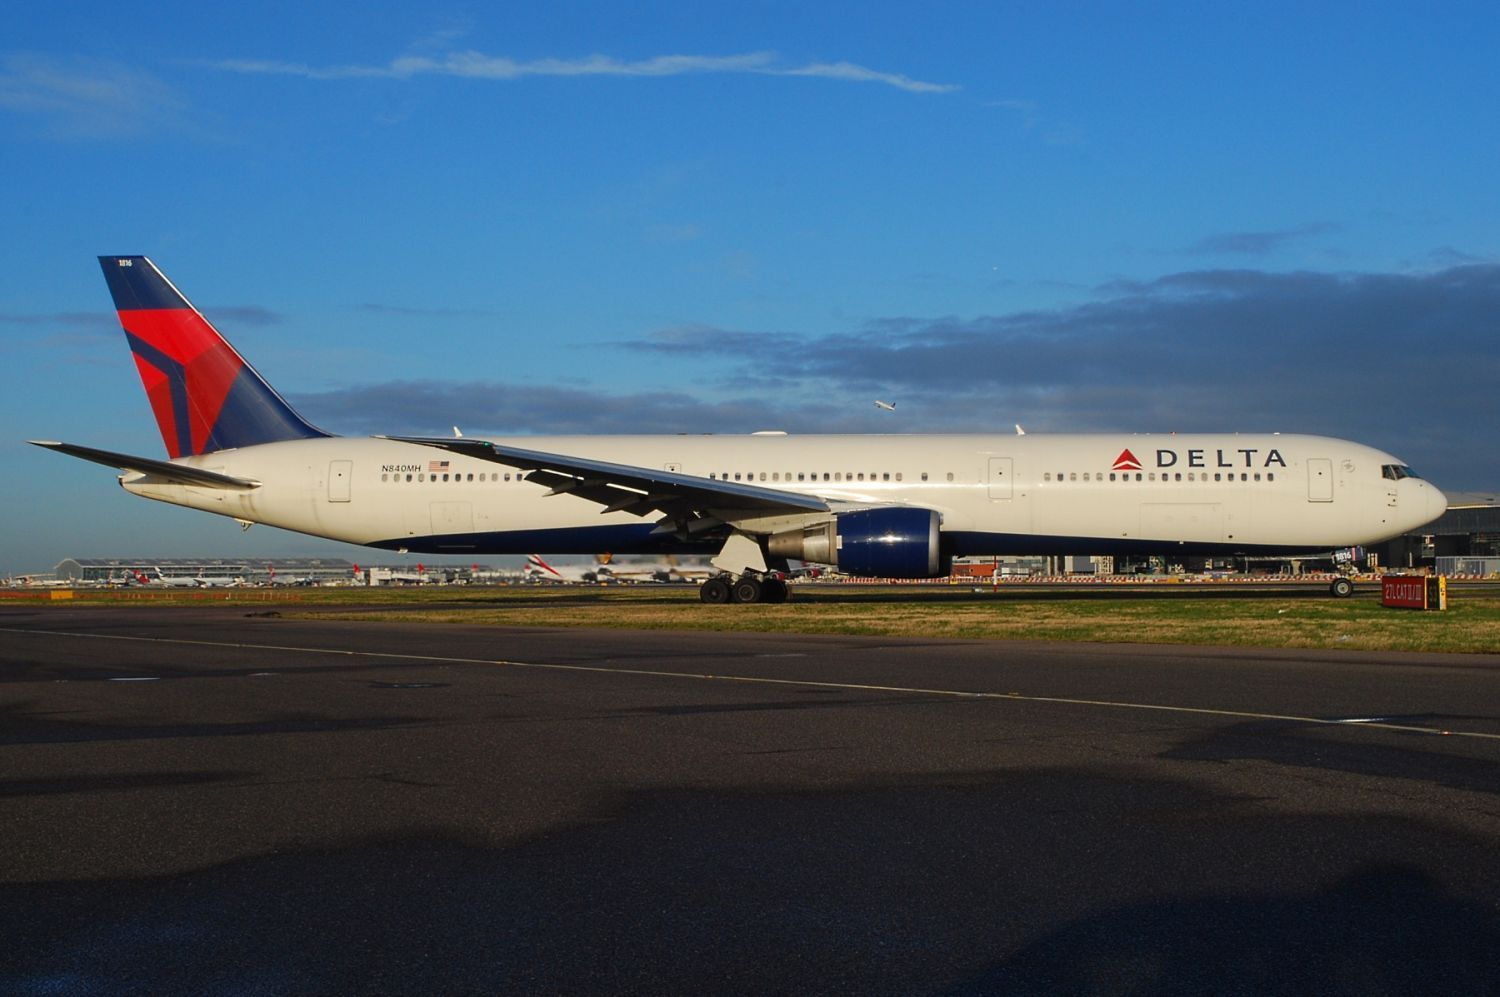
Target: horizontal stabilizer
{"points": [[179, 474]]}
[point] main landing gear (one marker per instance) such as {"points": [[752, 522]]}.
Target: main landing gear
{"points": [[746, 588]]}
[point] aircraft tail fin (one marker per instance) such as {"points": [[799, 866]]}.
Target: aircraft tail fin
{"points": [[205, 396], [535, 563]]}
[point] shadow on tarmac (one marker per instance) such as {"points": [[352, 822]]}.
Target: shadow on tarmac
{"points": [[1043, 882]]}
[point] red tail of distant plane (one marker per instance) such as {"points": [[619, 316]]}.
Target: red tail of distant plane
{"points": [[205, 396]]}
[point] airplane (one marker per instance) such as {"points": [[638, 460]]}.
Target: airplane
{"points": [[664, 569], [217, 581], [280, 581], [888, 506], [536, 569], [174, 581]]}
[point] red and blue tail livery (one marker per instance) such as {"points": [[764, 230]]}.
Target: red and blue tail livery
{"points": [[205, 396]]}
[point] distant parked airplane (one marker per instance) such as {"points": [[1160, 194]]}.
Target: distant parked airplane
{"points": [[538, 569], [175, 581], [883, 506]]}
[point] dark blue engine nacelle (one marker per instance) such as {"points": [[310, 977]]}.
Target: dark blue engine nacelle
{"points": [[895, 542], [891, 543]]}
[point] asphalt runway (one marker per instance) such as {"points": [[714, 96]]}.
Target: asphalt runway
{"points": [[206, 800]]}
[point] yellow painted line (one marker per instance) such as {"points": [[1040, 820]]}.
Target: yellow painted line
{"points": [[802, 683]]}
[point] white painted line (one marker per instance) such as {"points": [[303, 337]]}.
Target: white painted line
{"points": [[762, 680]]}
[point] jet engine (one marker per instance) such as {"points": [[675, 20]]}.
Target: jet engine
{"points": [[892, 542]]}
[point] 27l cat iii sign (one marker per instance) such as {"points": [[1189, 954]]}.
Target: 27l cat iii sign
{"points": [[1414, 591]]}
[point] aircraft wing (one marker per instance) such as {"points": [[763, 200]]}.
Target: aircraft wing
{"points": [[683, 498], [164, 470]]}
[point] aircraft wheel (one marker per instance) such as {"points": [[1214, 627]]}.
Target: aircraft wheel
{"points": [[714, 591], [1342, 588], [774, 590], [748, 589]]}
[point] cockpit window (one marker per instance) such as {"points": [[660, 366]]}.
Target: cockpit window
{"points": [[1395, 472]]}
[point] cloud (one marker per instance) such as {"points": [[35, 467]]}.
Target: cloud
{"points": [[1256, 243], [82, 99], [477, 65], [859, 74], [84, 320], [242, 315], [1030, 113], [1447, 256], [1405, 362], [1027, 109], [499, 407], [424, 312]]}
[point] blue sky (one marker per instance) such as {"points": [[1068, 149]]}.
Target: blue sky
{"points": [[672, 217]]}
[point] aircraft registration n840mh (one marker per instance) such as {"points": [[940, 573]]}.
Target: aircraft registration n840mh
{"points": [[887, 506]]}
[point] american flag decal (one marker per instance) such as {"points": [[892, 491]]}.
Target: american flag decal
{"points": [[438, 465]]}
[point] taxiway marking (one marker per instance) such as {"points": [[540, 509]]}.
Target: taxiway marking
{"points": [[1366, 724]]}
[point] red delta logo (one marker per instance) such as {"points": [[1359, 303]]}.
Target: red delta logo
{"points": [[1126, 462]]}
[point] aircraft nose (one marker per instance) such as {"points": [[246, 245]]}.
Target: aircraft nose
{"points": [[1437, 502]]}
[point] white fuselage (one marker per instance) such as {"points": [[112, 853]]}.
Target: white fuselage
{"points": [[996, 494]]}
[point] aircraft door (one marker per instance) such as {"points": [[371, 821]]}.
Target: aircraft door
{"points": [[453, 519], [339, 473], [1320, 480], [1001, 471]]}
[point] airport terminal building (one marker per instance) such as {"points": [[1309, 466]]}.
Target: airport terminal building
{"points": [[1468, 531], [104, 570]]}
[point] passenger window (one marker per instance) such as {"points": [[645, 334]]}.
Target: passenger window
{"points": [[924, 475], [950, 475], [384, 476]]}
